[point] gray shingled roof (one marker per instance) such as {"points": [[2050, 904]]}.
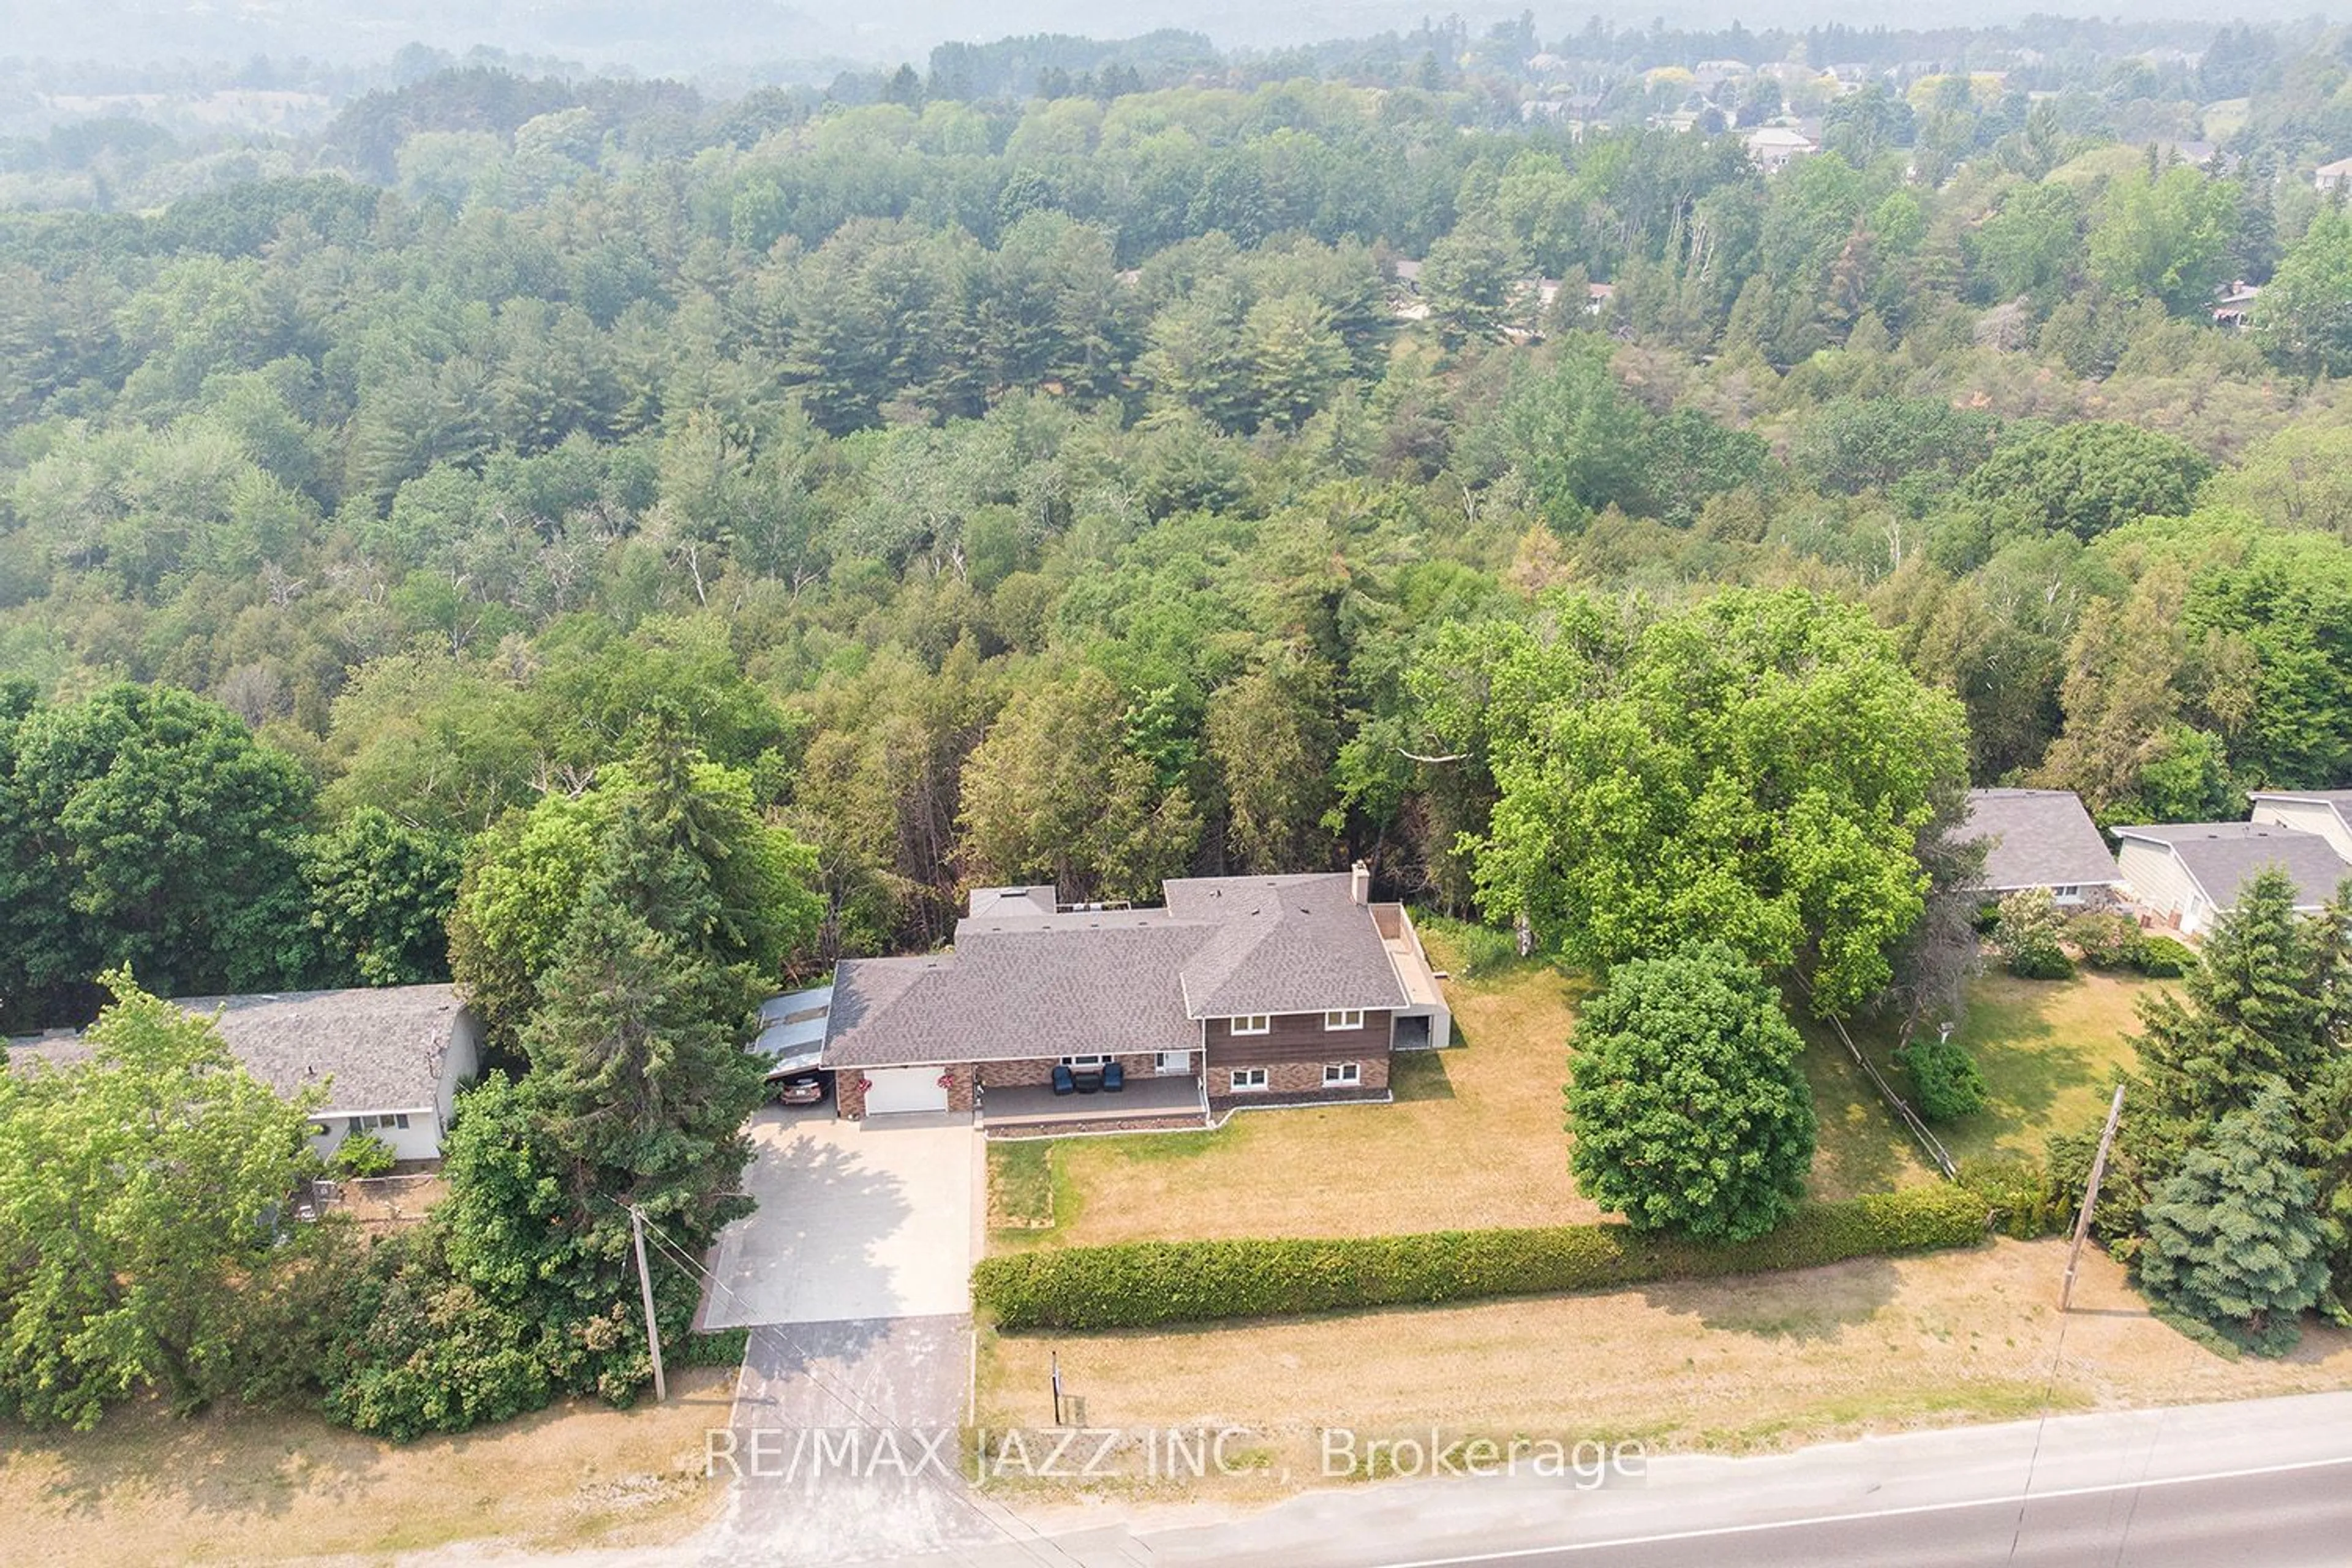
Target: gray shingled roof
{"points": [[2037, 838], [1283, 944], [1023, 985], [1027, 991], [2224, 856], [376, 1049]]}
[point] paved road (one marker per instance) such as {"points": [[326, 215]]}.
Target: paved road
{"points": [[856, 1220], [2264, 1483]]}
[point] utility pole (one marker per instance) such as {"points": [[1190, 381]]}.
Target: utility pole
{"points": [[2090, 1197], [646, 1284]]}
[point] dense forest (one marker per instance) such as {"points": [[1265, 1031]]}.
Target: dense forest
{"points": [[1069, 485]]}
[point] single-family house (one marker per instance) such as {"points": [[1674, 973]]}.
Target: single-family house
{"points": [[2040, 838], [2335, 176], [2183, 875], [1234, 992], [390, 1060], [1775, 147], [2326, 812]]}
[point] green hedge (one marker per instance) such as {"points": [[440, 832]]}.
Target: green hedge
{"points": [[1142, 1284], [724, 1347]]}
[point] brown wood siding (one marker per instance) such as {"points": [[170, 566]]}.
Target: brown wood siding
{"points": [[1298, 1038]]}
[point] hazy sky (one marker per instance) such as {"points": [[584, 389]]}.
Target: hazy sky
{"points": [[658, 35]]}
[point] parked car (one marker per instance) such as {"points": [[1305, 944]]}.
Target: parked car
{"points": [[799, 1089]]}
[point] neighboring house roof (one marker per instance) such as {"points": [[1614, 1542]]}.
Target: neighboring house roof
{"points": [[374, 1048], [2037, 838], [1021, 985], [2337, 800], [2223, 856]]}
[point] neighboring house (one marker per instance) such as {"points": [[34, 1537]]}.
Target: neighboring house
{"points": [[390, 1059], [2335, 176], [2326, 812], [1238, 991], [2182, 875], [2233, 305], [2040, 838], [1775, 147]]}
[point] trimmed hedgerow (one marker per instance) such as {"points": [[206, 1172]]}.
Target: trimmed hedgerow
{"points": [[1143, 1284], [720, 1347]]}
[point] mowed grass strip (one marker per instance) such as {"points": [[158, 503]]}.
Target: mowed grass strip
{"points": [[1717, 1365]]}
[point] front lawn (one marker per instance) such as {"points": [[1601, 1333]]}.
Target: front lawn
{"points": [[1476, 1138], [1473, 1139]]}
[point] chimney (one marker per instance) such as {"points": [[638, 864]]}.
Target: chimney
{"points": [[1360, 883]]}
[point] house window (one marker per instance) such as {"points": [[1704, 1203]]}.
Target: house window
{"points": [[1249, 1080], [1353, 1018], [1172, 1061], [373, 1123], [2068, 895], [1254, 1024], [1342, 1074], [1085, 1061]]}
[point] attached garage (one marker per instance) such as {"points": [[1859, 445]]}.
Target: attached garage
{"points": [[891, 1090]]}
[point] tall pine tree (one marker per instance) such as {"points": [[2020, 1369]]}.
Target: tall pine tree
{"points": [[2254, 1012], [2234, 1237]]}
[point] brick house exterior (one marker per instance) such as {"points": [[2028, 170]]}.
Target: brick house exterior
{"points": [[1236, 992]]}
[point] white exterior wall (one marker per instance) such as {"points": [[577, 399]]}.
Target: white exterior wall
{"points": [[2308, 816], [2160, 885], [420, 1140], [458, 1064]]}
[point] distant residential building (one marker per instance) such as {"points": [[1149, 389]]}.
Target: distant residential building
{"points": [[2233, 306], [2335, 176], [1775, 147]]}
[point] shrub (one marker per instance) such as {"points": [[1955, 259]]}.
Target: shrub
{"points": [[723, 1347], [2025, 1199], [1143, 1284], [2164, 958], [362, 1154], [2027, 936], [1944, 1077], [2106, 941]]}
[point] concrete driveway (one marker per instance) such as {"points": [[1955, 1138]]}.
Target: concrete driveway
{"points": [[856, 1220]]}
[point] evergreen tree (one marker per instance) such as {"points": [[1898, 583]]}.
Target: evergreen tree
{"points": [[2234, 1237], [2253, 1012]]}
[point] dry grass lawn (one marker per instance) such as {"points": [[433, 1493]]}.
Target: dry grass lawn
{"points": [[241, 1487], [1733, 1366], [1473, 1139]]}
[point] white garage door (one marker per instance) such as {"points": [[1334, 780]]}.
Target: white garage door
{"points": [[893, 1089]]}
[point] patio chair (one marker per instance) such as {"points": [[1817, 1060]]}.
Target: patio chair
{"points": [[1064, 1083], [1114, 1078]]}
